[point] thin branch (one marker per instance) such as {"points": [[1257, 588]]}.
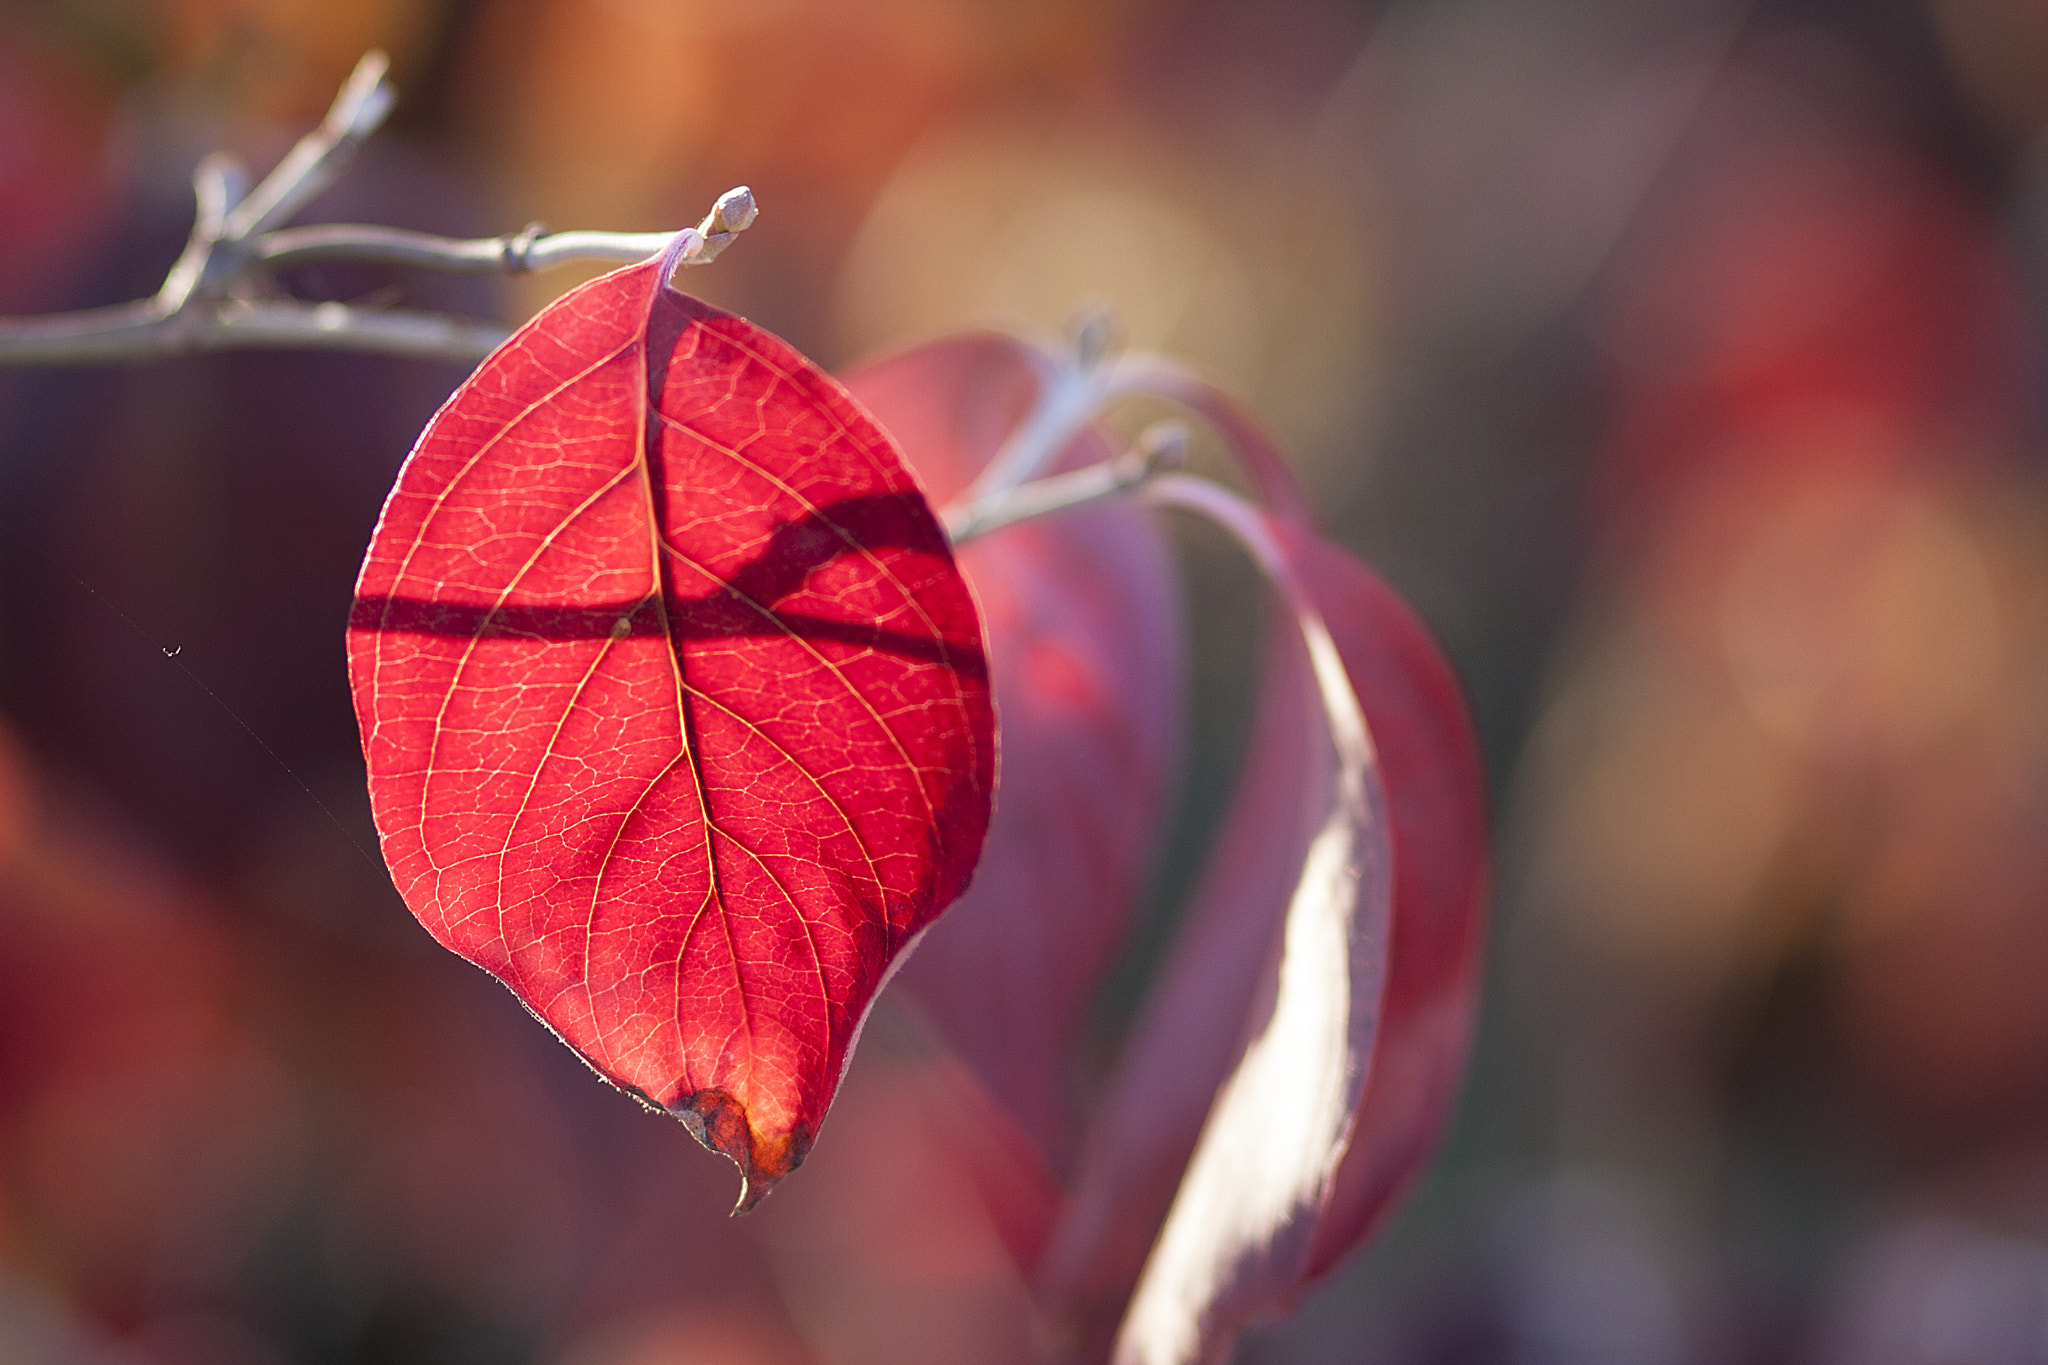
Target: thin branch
{"points": [[318, 158], [515, 253], [1161, 447], [126, 331], [1078, 385], [217, 182], [132, 332], [1070, 394], [208, 299], [339, 327]]}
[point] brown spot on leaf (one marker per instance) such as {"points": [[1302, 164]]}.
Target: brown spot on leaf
{"points": [[720, 1122]]}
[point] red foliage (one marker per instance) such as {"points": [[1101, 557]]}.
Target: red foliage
{"points": [[1214, 991], [951, 404], [674, 704], [140, 1123], [678, 722]]}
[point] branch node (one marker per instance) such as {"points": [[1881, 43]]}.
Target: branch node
{"points": [[1161, 448], [518, 248]]}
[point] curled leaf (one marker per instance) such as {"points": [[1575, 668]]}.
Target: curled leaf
{"points": [[1217, 989], [1436, 796], [674, 704], [1237, 1239]]}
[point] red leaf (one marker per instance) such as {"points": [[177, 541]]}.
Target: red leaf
{"points": [[58, 180], [1083, 619], [1436, 792], [1237, 1239], [1193, 1024], [674, 704], [117, 977], [1221, 976]]}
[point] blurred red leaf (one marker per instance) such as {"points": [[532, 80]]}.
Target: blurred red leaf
{"points": [[1219, 984], [910, 1225], [1237, 1238], [1808, 297], [117, 978], [1436, 796], [55, 188], [674, 704], [1084, 626]]}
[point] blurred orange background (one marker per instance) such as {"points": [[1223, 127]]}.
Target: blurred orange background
{"points": [[1680, 359]]}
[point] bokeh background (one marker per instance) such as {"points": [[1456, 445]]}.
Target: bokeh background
{"points": [[1679, 358]]}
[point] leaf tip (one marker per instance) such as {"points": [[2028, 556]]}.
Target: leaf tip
{"points": [[720, 1121]]}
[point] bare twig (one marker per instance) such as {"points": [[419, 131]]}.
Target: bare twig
{"points": [[1161, 448], [516, 253], [1070, 394], [210, 299], [320, 156], [1075, 388]]}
